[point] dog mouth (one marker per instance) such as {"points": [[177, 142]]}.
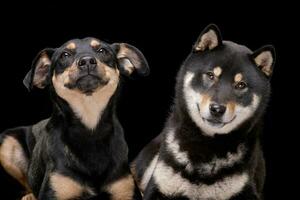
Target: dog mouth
{"points": [[215, 122], [89, 83]]}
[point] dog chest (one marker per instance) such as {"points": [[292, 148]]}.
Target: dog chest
{"points": [[171, 183]]}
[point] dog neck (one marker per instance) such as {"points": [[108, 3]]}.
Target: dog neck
{"points": [[192, 136], [101, 142], [87, 108], [90, 114], [194, 151]]}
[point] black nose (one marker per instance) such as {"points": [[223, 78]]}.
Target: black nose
{"points": [[217, 110], [87, 62]]}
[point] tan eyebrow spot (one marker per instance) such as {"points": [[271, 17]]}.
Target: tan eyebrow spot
{"points": [[217, 71], [238, 77], [95, 43], [71, 46]]}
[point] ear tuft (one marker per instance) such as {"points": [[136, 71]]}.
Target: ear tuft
{"points": [[130, 59], [38, 76], [209, 39], [264, 58]]}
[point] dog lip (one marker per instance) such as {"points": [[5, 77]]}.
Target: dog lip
{"points": [[87, 75], [102, 81], [88, 83], [218, 123]]}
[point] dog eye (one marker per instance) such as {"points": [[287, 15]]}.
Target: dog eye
{"points": [[101, 50], [65, 55], [240, 85], [210, 75]]}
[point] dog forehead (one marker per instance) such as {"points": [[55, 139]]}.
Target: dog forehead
{"points": [[229, 56], [233, 58], [71, 44], [83, 43]]}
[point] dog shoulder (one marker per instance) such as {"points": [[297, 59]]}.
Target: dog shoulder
{"points": [[143, 166]]}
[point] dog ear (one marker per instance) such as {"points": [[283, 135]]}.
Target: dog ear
{"points": [[210, 38], [264, 58], [130, 59], [38, 76]]}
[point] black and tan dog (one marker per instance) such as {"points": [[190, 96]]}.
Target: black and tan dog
{"points": [[210, 147], [80, 151]]}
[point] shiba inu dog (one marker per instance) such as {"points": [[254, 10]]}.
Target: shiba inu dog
{"points": [[210, 146]]}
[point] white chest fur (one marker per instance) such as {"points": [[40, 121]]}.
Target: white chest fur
{"points": [[211, 167], [173, 184]]}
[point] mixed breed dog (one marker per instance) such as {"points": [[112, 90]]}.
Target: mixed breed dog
{"points": [[209, 148]]}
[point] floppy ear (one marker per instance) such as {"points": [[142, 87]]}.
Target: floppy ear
{"points": [[209, 39], [38, 76], [130, 59], [264, 58]]}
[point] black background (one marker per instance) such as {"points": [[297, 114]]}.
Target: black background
{"points": [[165, 35]]}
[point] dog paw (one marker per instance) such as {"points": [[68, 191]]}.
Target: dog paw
{"points": [[28, 197]]}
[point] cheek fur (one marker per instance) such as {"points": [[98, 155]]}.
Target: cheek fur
{"points": [[67, 76], [240, 112]]}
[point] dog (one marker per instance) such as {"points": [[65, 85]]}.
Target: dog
{"points": [[210, 146], [80, 151]]}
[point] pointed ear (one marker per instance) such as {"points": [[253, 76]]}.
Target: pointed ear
{"points": [[38, 76], [264, 58], [130, 59], [209, 39]]}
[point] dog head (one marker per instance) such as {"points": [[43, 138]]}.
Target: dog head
{"points": [[85, 65], [85, 73], [224, 84]]}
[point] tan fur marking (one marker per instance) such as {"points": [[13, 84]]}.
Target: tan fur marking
{"points": [[95, 43], [12, 159], [122, 189], [231, 107], [205, 101], [238, 77], [71, 46], [265, 60], [104, 70], [28, 197], [65, 188], [70, 74], [217, 71]]}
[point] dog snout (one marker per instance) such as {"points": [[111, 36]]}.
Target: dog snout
{"points": [[87, 63], [217, 110]]}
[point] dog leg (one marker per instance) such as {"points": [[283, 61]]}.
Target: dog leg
{"points": [[123, 188], [13, 160]]}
